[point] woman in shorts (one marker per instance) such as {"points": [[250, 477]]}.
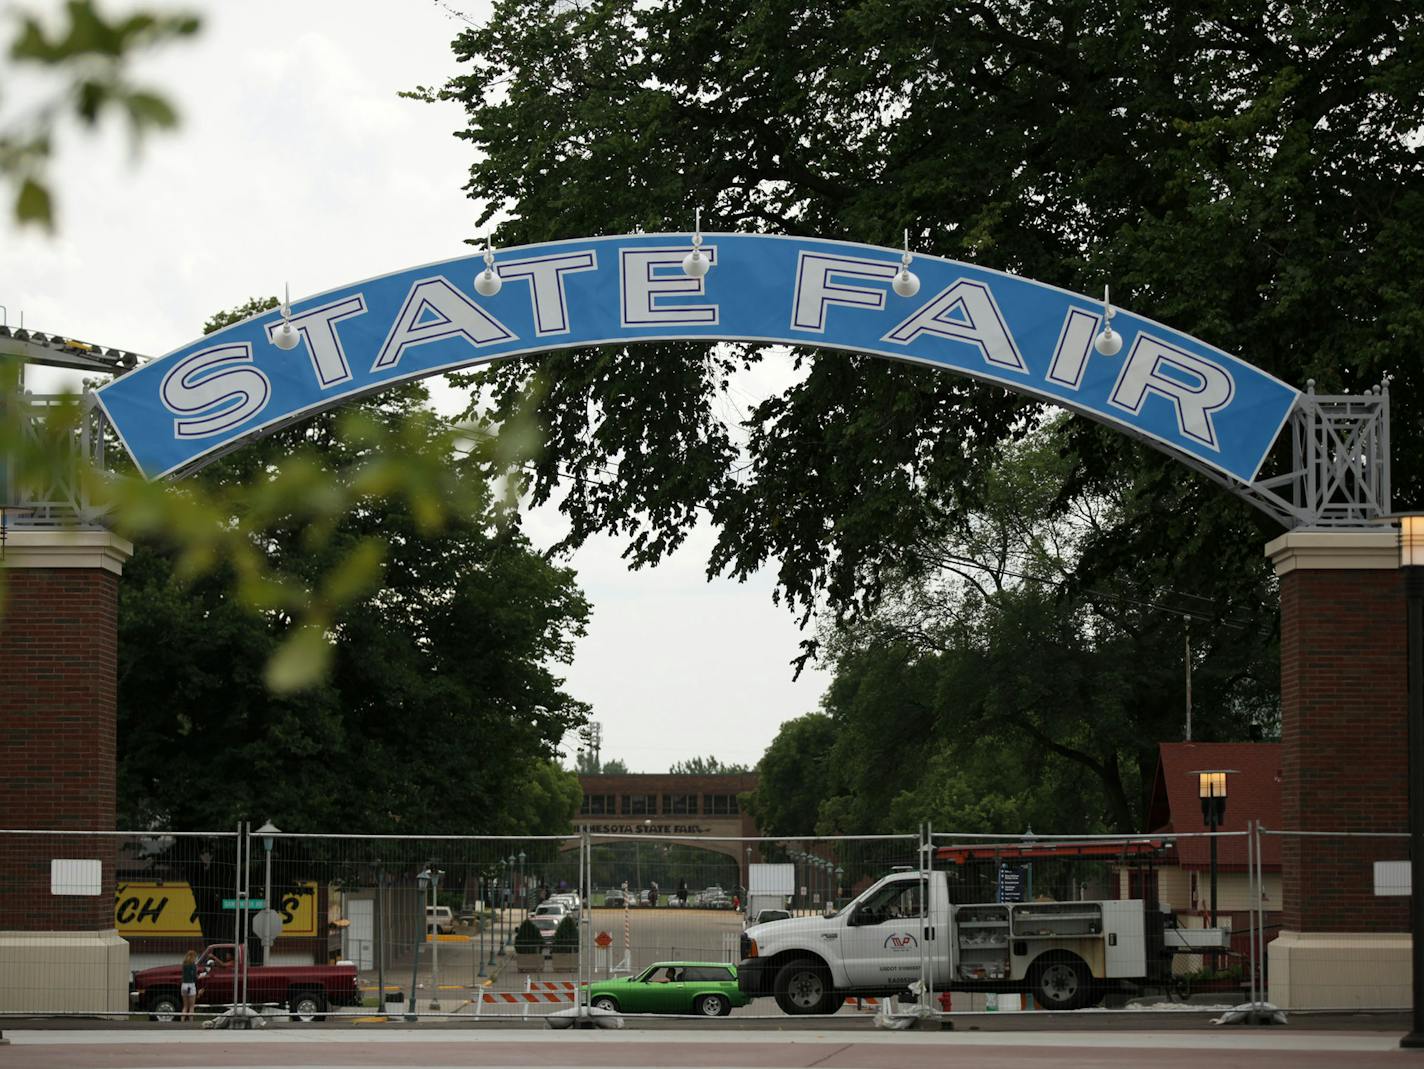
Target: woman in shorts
{"points": [[189, 988]]}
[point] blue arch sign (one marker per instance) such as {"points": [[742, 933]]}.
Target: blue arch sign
{"points": [[176, 413]]}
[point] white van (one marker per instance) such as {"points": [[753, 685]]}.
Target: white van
{"points": [[439, 919]]}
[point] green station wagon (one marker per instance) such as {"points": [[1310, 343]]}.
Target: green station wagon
{"points": [[708, 988]]}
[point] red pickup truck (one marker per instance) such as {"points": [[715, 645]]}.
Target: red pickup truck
{"points": [[306, 990]]}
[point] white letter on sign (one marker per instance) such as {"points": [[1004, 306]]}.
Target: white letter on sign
{"points": [[318, 329], [434, 310], [965, 312], [650, 274], [1075, 343], [815, 291], [546, 286], [1195, 386], [207, 382]]}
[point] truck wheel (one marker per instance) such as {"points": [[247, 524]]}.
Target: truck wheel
{"points": [[164, 1006], [804, 987], [1061, 982], [307, 1006]]}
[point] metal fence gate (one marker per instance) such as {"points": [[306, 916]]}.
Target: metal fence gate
{"points": [[294, 927]]}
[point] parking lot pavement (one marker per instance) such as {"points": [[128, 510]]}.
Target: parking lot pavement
{"points": [[493, 1048]]}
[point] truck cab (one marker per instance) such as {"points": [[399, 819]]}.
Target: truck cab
{"points": [[875, 945]]}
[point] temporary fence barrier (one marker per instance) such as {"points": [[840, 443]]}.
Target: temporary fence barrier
{"points": [[425, 926]]}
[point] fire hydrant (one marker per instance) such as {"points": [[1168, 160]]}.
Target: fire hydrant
{"points": [[945, 1001]]}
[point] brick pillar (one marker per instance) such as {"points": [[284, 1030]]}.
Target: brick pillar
{"points": [[58, 661], [1344, 768]]}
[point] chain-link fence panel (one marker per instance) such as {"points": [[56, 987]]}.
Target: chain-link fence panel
{"points": [[1077, 922], [108, 922], [415, 926], [670, 913]]}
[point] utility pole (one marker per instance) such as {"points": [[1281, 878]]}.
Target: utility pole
{"points": [[591, 735], [1187, 660]]}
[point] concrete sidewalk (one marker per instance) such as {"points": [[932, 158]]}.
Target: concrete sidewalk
{"points": [[493, 1048]]}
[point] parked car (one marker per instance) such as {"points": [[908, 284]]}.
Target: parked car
{"points": [[708, 989], [552, 909], [439, 919], [306, 990], [546, 925], [615, 898], [767, 915]]}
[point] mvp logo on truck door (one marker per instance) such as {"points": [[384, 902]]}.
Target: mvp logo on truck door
{"points": [[901, 941]]}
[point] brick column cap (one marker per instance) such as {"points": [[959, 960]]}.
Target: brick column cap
{"points": [[1345, 550], [65, 547]]}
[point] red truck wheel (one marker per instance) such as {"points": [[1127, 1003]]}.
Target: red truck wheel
{"points": [[164, 1006], [307, 1006]]}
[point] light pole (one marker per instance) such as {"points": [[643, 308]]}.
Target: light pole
{"points": [[1211, 785], [422, 881], [1411, 563], [494, 908], [484, 933], [840, 876], [434, 925], [267, 831], [523, 889], [509, 898]]}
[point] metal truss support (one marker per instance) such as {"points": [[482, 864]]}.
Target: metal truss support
{"points": [[63, 500], [1338, 469]]}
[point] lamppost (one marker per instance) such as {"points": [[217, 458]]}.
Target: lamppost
{"points": [[267, 831], [840, 877], [1411, 563], [1211, 784], [523, 888], [434, 925], [497, 878], [484, 934], [422, 880], [509, 897]]}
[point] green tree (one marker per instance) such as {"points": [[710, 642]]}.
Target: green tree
{"points": [[441, 710], [1038, 700], [795, 777], [1249, 174]]}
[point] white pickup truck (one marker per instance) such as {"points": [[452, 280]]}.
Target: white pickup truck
{"points": [[1066, 954]]}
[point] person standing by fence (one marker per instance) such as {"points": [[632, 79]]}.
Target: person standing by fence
{"points": [[188, 987]]}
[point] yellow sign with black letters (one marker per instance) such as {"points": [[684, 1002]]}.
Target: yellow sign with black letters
{"points": [[159, 908]]}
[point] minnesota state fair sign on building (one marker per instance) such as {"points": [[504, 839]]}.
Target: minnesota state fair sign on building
{"points": [[176, 413]]}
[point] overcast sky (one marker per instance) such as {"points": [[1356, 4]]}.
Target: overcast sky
{"points": [[297, 162]]}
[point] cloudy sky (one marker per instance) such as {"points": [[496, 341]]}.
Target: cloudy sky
{"points": [[297, 163]]}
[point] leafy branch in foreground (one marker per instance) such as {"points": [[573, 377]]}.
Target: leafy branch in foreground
{"points": [[88, 56]]}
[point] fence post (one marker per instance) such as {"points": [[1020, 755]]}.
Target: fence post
{"points": [[1251, 905], [1260, 910]]}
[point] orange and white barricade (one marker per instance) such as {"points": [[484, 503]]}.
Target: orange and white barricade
{"points": [[523, 999]]}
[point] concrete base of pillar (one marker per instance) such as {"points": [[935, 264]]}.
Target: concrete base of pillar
{"points": [[64, 972], [1339, 970]]}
